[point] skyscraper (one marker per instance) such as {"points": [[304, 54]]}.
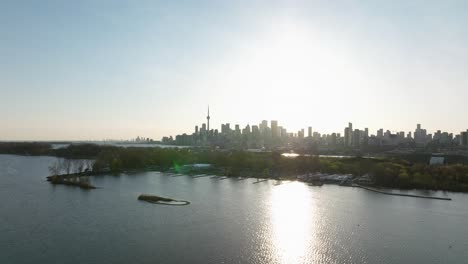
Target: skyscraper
{"points": [[420, 135], [263, 126], [348, 135], [274, 128], [309, 132]]}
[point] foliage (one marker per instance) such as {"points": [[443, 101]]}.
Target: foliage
{"points": [[401, 172]]}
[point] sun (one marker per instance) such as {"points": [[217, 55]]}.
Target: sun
{"points": [[290, 72]]}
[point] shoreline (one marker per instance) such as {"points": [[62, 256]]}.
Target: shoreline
{"points": [[212, 175], [403, 194]]}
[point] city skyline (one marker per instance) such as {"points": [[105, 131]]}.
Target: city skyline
{"points": [[90, 71], [307, 128], [271, 134]]}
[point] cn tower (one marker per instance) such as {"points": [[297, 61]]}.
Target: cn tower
{"points": [[208, 119]]}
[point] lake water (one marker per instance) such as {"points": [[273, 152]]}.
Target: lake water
{"points": [[228, 221]]}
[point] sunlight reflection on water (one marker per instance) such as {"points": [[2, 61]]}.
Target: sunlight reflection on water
{"points": [[292, 222]]}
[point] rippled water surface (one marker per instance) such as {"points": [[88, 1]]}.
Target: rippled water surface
{"points": [[228, 221]]}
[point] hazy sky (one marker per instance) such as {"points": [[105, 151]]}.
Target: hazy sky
{"points": [[119, 69]]}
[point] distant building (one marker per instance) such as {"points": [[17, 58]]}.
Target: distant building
{"points": [[346, 137], [246, 130], [380, 133], [309, 132], [356, 138], [464, 138], [437, 161], [255, 130], [420, 135], [203, 128], [274, 128], [237, 129], [300, 133], [263, 126]]}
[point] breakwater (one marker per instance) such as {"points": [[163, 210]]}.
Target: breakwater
{"points": [[162, 200], [77, 180], [402, 194]]}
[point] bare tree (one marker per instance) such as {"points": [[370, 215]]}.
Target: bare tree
{"points": [[61, 165], [78, 165], [67, 165], [89, 165], [54, 168]]}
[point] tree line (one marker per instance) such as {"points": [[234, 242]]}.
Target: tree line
{"points": [[398, 171]]}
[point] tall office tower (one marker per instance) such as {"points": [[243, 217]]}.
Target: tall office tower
{"points": [[263, 126], [284, 132], [208, 119], [274, 128], [196, 130], [237, 129], [380, 133], [365, 137], [356, 137], [246, 129], [301, 133], [420, 136], [350, 135], [255, 130], [309, 132], [464, 138], [333, 139], [346, 136]]}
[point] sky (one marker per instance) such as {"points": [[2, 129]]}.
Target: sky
{"points": [[92, 70]]}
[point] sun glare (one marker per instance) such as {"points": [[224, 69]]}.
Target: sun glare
{"points": [[288, 71], [292, 222]]}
